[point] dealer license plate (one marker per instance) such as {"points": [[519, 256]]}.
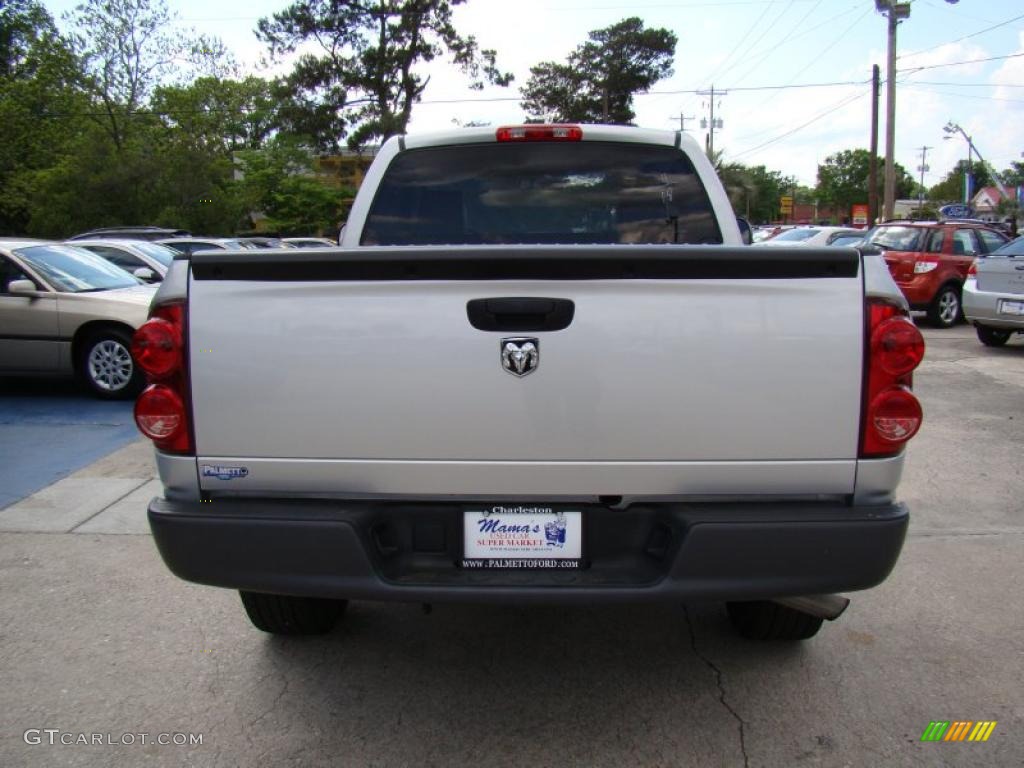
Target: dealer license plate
{"points": [[1011, 307], [523, 536]]}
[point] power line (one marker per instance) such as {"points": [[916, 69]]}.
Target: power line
{"points": [[831, 46], [566, 8], [964, 85], [769, 50], [958, 63], [760, 37], [816, 118], [920, 87], [743, 39], [965, 37], [815, 60], [482, 99]]}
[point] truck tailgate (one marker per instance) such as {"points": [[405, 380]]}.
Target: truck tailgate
{"points": [[684, 369]]}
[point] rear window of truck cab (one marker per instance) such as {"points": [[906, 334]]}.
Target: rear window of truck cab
{"points": [[540, 193]]}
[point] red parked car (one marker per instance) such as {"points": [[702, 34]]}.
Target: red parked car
{"points": [[929, 261]]}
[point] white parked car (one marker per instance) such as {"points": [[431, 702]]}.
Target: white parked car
{"points": [[147, 261], [811, 236]]}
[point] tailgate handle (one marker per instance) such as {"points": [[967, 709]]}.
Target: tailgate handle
{"points": [[520, 314]]}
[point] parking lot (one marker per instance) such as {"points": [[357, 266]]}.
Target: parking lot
{"points": [[98, 638]]}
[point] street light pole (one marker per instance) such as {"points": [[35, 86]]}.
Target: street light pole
{"points": [[950, 128]]}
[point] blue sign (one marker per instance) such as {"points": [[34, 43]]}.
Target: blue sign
{"points": [[957, 211], [224, 473]]}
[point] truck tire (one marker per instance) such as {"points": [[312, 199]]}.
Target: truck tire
{"points": [[286, 615], [945, 310], [764, 620], [992, 337], [105, 363]]}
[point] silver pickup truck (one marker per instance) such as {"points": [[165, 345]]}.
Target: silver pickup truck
{"points": [[541, 367]]}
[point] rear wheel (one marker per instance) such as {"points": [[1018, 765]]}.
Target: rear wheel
{"points": [[287, 615], [764, 620], [992, 337], [944, 310]]}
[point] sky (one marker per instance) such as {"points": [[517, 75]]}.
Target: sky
{"points": [[795, 73]]}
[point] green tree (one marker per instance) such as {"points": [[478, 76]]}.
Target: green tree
{"points": [[951, 188], [279, 182], [39, 98], [130, 46], [1014, 175], [598, 81], [204, 124], [769, 187], [843, 180], [358, 62], [218, 115], [95, 183]]}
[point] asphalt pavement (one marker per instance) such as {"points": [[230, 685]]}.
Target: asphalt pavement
{"points": [[99, 640]]}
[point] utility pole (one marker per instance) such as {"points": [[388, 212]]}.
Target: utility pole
{"points": [[895, 12], [711, 123], [682, 120], [873, 160], [922, 168]]}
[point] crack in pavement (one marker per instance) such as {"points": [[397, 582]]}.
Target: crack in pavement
{"points": [[721, 688], [953, 534]]}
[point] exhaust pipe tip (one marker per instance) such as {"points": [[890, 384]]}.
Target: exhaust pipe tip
{"points": [[828, 607]]}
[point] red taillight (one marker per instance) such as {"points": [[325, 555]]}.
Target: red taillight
{"points": [[160, 415], [897, 345], [539, 133], [891, 413], [156, 347], [895, 415], [161, 412], [973, 269]]}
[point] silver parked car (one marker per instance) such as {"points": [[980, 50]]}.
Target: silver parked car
{"points": [[993, 294], [190, 245], [309, 242], [64, 310], [147, 261]]}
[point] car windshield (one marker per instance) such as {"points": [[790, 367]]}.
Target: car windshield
{"points": [[896, 238], [75, 270], [583, 192], [846, 240], [796, 235], [1012, 248], [161, 253]]}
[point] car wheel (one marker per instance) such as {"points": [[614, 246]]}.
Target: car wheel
{"points": [[764, 620], [107, 366], [992, 337], [286, 615], [944, 311]]}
